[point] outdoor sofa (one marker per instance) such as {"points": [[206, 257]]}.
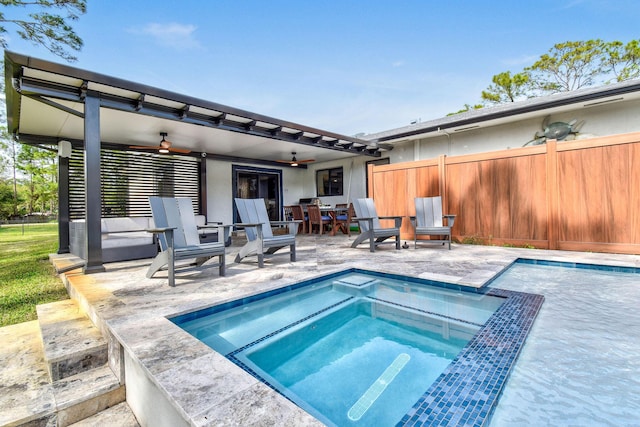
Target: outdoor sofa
{"points": [[125, 238]]}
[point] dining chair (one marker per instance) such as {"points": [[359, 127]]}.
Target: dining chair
{"points": [[342, 216], [318, 220], [298, 215]]}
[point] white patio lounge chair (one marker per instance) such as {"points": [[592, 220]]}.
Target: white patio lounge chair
{"points": [[175, 224], [429, 221], [370, 228], [260, 237]]}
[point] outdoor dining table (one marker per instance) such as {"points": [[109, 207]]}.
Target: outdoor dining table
{"points": [[333, 212]]}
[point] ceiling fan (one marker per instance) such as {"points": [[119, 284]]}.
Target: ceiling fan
{"points": [[295, 162], [164, 147]]}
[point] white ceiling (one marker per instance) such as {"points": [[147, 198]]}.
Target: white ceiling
{"points": [[127, 129], [35, 81]]}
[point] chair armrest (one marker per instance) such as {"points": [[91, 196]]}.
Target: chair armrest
{"points": [[247, 224], [159, 230], [214, 225], [450, 220], [397, 219]]}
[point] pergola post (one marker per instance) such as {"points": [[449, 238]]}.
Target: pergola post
{"points": [[202, 172], [64, 152], [93, 198]]}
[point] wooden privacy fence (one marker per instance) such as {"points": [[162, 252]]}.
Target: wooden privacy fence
{"points": [[577, 195]]}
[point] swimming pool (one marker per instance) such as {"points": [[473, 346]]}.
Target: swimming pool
{"points": [[436, 351], [580, 363]]}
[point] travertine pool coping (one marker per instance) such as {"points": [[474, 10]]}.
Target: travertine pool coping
{"points": [[203, 386]]}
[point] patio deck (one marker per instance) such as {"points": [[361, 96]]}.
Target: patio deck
{"points": [[180, 378]]}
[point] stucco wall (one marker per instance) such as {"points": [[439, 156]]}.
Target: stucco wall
{"points": [[600, 120], [297, 183]]}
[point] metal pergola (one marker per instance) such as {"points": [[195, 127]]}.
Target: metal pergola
{"points": [[49, 102]]}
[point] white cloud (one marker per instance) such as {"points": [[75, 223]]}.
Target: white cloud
{"points": [[397, 64], [173, 35]]}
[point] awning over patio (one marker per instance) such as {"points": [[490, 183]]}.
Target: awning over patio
{"points": [[46, 103], [49, 102]]}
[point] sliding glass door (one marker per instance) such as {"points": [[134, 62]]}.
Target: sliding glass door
{"points": [[259, 183]]}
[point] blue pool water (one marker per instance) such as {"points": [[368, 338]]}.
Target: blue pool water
{"points": [[357, 348], [330, 364]]}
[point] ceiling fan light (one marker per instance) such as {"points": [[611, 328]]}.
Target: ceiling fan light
{"points": [[163, 150], [294, 164]]}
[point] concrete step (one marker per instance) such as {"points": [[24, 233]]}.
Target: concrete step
{"points": [[71, 343], [65, 263], [85, 394], [119, 415], [71, 383], [26, 393]]}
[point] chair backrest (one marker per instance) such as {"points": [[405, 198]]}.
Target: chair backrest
{"points": [[178, 213], [429, 211], [297, 212], [315, 216], [365, 208], [254, 211]]}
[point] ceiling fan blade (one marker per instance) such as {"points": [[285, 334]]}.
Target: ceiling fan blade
{"points": [[179, 150], [285, 161], [144, 147], [306, 161]]}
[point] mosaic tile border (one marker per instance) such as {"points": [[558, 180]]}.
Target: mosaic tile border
{"points": [[467, 391], [580, 265]]}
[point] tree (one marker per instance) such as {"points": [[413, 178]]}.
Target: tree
{"points": [[50, 30], [568, 66], [39, 168], [506, 88], [622, 61]]}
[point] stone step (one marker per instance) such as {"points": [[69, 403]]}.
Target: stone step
{"points": [[71, 342], [119, 415], [86, 394], [26, 393], [65, 263]]}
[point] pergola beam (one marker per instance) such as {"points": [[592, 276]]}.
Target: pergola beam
{"points": [[45, 91]]}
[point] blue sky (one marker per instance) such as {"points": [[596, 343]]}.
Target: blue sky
{"points": [[347, 66]]}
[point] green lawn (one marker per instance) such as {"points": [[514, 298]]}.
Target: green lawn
{"points": [[26, 276]]}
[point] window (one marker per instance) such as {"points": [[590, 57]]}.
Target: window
{"points": [[329, 182]]}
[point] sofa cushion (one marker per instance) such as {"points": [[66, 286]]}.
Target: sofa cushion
{"points": [[120, 240], [119, 225]]}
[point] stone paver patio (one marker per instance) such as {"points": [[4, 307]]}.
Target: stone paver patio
{"points": [[204, 388]]}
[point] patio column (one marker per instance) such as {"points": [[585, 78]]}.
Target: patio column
{"points": [[93, 198], [64, 152], [202, 173]]}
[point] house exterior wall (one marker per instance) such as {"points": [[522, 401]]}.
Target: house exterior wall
{"points": [[600, 120], [297, 183]]}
